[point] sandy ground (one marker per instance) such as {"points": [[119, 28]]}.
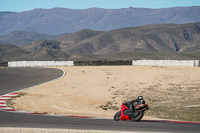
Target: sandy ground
{"points": [[99, 90], [38, 130]]}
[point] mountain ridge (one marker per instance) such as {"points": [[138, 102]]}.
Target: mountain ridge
{"points": [[61, 20]]}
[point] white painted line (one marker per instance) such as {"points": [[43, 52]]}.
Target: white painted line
{"points": [[7, 108], [3, 98], [22, 112], [189, 106], [9, 95]]}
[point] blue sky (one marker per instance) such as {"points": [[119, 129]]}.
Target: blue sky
{"points": [[25, 5]]}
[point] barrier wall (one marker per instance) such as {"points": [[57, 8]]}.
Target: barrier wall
{"points": [[102, 63], [4, 64], [39, 63], [192, 63]]}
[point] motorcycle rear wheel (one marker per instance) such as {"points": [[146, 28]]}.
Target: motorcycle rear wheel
{"points": [[138, 116], [117, 116]]}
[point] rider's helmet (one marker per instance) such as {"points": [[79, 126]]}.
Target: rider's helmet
{"points": [[140, 98]]}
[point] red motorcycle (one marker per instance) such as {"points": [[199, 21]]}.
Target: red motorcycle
{"points": [[135, 114]]}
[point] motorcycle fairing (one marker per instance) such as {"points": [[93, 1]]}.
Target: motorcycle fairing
{"points": [[123, 116]]}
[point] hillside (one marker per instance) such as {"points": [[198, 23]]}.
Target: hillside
{"points": [[21, 37], [160, 41], [62, 20], [10, 52], [150, 38]]}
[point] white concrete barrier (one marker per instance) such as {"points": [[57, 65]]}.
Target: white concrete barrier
{"points": [[192, 63], [39, 63]]}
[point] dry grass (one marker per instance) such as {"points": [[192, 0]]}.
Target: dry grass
{"points": [[39, 130], [99, 91]]}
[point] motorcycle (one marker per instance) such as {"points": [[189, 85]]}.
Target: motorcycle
{"points": [[135, 114]]}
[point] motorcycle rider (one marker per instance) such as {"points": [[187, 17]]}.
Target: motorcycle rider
{"points": [[130, 105], [131, 110]]}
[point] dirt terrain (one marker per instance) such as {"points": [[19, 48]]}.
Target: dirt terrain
{"points": [[98, 91], [44, 130]]}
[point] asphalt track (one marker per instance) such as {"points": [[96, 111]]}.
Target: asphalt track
{"points": [[12, 79]]}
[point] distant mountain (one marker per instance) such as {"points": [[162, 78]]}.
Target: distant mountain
{"points": [[21, 37], [62, 20], [150, 38], [158, 41], [5, 13]]}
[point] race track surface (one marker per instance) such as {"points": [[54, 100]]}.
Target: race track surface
{"points": [[12, 79]]}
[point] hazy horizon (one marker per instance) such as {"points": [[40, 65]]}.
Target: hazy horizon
{"points": [[27, 5], [96, 8]]}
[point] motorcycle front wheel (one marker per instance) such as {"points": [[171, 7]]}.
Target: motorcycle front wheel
{"points": [[137, 115], [117, 116]]}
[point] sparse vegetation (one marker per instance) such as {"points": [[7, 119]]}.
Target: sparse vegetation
{"points": [[109, 105], [168, 100], [10, 102]]}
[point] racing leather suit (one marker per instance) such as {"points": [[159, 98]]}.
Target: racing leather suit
{"points": [[130, 103]]}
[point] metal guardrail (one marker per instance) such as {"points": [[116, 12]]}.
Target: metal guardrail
{"points": [[4, 64], [102, 63]]}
